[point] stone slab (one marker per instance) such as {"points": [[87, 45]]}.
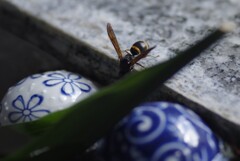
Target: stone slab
{"points": [[75, 31]]}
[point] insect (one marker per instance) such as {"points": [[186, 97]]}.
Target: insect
{"points": [[139, 50]]}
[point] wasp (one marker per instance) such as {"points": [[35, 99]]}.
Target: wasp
{"points": [[138, 50]]}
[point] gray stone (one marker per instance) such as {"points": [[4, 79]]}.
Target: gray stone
{"points": [[75, 31]]}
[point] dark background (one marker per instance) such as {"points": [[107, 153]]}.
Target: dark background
{"points": [[19, 59]]}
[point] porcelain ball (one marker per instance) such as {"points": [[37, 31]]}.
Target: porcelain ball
{"points": [[161, 131], [40, 94]]}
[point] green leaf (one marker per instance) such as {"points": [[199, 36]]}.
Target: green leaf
{"points": [[89, 120]]}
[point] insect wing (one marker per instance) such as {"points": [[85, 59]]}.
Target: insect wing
{"points": [[142, 55], [114, 41]]}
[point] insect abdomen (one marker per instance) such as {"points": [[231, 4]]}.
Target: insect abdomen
{"points": [[138, 47]]}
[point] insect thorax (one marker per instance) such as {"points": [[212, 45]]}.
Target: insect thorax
{"points": [[125, 65]]}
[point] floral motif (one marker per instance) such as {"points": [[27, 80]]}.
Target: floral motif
{"points": [[70, 83], [35, 76], [21, 82], [27, 111]]}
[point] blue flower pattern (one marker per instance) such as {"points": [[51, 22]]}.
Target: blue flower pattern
{"points": [[20, 82], [27, 111], [35, 76], [70, 83], [29, 107]]}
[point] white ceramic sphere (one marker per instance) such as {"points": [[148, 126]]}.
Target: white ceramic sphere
{"points": [[40, 94]]}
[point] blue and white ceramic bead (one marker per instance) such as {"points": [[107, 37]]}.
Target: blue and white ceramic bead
{"points": [[161, 131], [40, 94]]}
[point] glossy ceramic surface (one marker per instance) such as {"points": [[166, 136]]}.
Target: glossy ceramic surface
{"points": [[41, 94], [161, 131]]}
